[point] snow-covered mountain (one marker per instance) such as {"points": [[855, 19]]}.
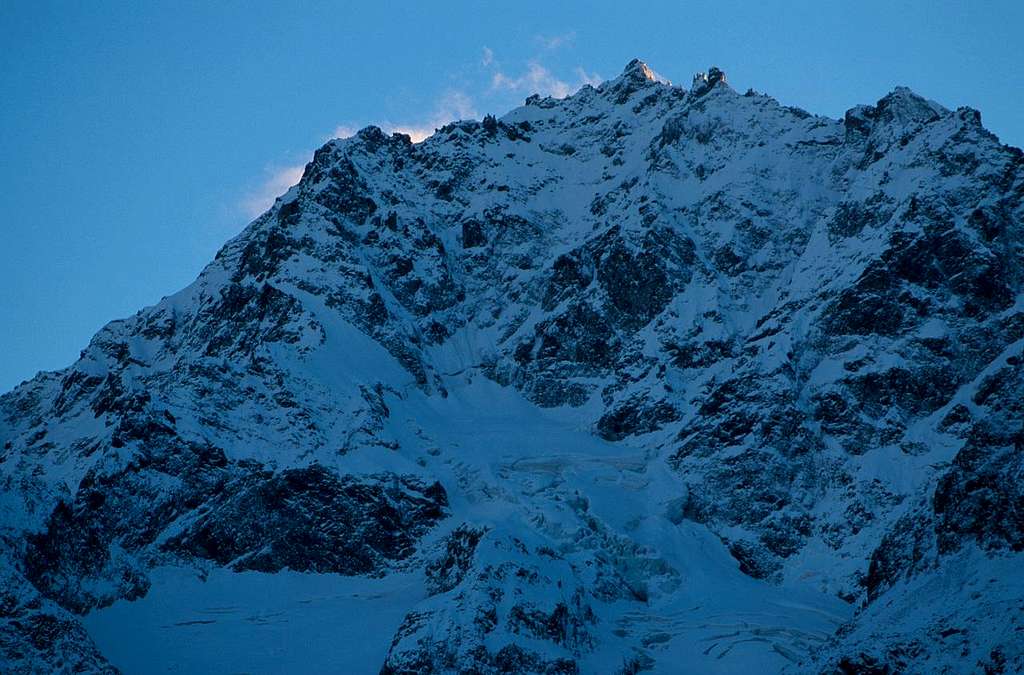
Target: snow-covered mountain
{"points": [[643, 379]]}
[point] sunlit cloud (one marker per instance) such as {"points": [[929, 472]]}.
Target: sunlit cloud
{"points": [[536, 80], [454, 105], [343, 131], [277, 182], [539, 80]]}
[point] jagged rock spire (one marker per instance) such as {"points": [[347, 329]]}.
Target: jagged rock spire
{"points": [[704, 82]]}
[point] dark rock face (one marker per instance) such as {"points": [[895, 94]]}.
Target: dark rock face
{"points": [[450, 569], [976, 502], [981, 498], [346, 193], [310, 520], [974, 507], [635, 416], [307, 519], [562, 625], [85, 541], [580, 336], [473, 234], [34, 631], [637, 286]]}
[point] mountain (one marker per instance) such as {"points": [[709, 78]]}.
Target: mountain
{"points": [[643, 379]]}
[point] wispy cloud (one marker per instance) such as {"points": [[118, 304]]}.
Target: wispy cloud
{"points": [[536, 80], [593, 79], [539, 80], [487, 58], [276, 183], [343, 131], [453, 105], [556, 41]]}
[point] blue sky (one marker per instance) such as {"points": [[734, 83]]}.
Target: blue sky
{"points": [[137, 137]]}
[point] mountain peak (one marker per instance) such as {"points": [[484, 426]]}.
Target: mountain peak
{"points": [[638, 71], [904, 103], [894, 112], [635, 76], [743, 334]]}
